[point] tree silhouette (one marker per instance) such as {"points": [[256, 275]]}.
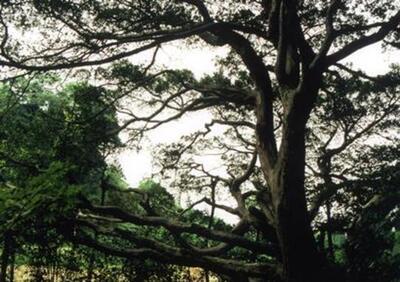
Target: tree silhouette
{"points": [[284, 62]]}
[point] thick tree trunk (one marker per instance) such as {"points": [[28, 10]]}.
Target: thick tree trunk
{"points": [[300, 257], [301, 261]]}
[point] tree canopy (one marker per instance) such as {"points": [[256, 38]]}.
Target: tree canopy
{"points": [[308, 150]]}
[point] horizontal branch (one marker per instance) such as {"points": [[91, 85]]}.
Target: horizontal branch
{"points": [[173, 256], [177, 227], [80, 62]]}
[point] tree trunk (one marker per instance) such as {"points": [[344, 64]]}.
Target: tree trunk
{"points": [[12, 264], [206, 276], [300, 257], [91, 265], [301, 261], [90, 268], [331, 252], [321, 240], [5, 256]]}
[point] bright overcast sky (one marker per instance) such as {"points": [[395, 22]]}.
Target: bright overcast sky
{"points": [[137, 166]]}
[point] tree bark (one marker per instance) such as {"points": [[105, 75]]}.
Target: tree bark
{"points": [[5, 256], [300, 257], [12, 264], [301, 260], [331, 252]]}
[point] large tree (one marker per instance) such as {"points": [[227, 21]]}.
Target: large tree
{"points": [[283, 61]]}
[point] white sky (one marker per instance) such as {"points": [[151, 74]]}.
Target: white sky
{"points": [[372, 60], [137, 166]]}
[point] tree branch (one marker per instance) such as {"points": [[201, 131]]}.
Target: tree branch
{"points": [[364, 41]]}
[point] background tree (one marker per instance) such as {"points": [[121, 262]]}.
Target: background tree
{"points": [[47, 155]]}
